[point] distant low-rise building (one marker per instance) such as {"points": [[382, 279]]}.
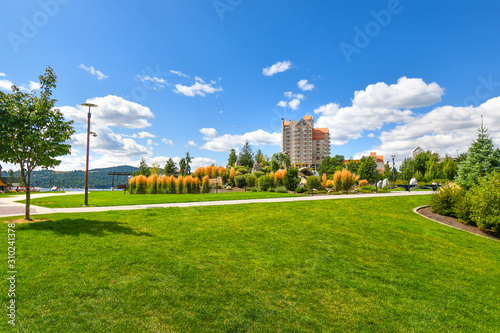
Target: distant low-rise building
{"points": [[305, 145]]}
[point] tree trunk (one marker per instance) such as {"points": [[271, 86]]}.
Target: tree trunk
{"points": [[27, 216]]}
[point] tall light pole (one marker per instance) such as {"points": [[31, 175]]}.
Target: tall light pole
{"points": [[393, 174], [90, 105]]}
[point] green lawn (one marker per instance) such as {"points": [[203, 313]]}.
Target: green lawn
{"points": [[353, 265], [118, 198]]}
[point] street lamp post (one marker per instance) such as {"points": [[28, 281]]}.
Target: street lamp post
{"points": [[87, 164], [393, 174]]}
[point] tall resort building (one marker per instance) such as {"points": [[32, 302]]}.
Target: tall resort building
{"points": [[305, 145]]}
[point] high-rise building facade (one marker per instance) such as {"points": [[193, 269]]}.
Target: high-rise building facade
{"points": [[305, 145]]}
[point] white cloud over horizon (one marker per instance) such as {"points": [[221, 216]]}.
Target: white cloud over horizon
{"points": [[224, 143]]}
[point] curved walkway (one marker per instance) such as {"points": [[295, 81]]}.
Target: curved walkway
{"points": [[9, 208]]}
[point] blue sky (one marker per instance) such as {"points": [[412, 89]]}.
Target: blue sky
{"points": [[204, 76]]}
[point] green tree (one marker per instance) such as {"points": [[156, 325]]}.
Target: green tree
{"points": [[387, 171], [143, 168], [262, 159], [246, 156], [32, 132], [279, 161], [232, 158], [291, 178], [11, 176], [313, 182], [482, 159], [367, 168], [406, 169], [330, 165], [155, 168], [421, 160], [187, 168], [170, 168], [449, 168], [352, 166], [432, 170]]}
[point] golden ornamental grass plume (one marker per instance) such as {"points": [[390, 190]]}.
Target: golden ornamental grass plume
{"points": [[324, 180], [171, 184], [330, 183], [180, 184], [206, 184], [132, 185], [214, 171], [151, 181], [142, 184], [208, 170], [232, 174], [161, 184], [199, 172], [363, 182]]}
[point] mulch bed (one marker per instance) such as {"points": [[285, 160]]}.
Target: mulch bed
{"points": [[453, 222]]}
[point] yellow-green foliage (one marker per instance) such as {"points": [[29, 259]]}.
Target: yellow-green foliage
{"points": [[171, 185], [330, 183], [161, 185]]}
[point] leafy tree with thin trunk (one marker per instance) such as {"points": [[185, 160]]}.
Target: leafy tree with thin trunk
{"points": [[32, 132], [291, 180]]}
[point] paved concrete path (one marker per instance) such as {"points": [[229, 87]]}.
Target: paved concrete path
{"points": [[10, 208]]}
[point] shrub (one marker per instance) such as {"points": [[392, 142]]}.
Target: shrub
{"points": [[258, 174], [313, 182], [300, 190], [279, 177], [291, 180], [251, 180], [229, 188], [330, 184], [206, 184], [484, 200], [242, 170], [344, 180], [265, 182], [240, 181], [254, 189], [230, 183], [281, 189], [232, 174], [324, 181], [445, 201]]}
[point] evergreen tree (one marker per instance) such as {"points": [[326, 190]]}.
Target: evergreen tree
{"points": [[170, 168], [182, 166], [187, 168], [232, 158], [246, 156], [482, 159], [144, 168]]}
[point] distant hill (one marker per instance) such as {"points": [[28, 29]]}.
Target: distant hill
{"points": [[98, 178]]}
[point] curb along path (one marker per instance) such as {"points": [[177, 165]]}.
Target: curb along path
{"points": [[10, 208]]}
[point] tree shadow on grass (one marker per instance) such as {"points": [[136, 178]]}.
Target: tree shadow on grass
{"points": [[77, 227]]}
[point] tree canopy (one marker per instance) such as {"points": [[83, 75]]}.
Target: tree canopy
{"points": [[246, 156], [32, 132], [330, 165]]}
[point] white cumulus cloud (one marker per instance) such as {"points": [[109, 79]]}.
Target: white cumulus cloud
{"points": [[209, 133], [167, 142], [197, 89], [305, 86], [278, 67], [227, 141]]}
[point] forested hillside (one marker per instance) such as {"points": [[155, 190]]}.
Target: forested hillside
{"points": [[98, 178]]}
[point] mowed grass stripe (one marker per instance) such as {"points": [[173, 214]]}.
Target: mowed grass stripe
{"points": [[341, 265]]}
